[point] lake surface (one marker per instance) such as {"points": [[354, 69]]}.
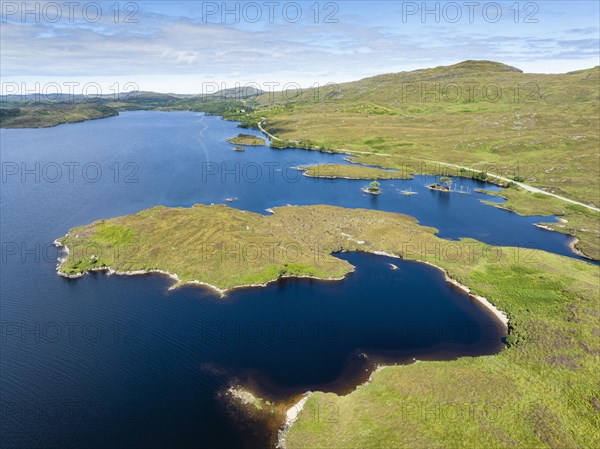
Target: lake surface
{"points": [[121, 361]]}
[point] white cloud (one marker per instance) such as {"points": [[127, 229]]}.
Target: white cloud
{"points": [[172, 53]]}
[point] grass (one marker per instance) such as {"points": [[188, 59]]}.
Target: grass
{"points": [[247, 139], [350, 172], [540, 392], [43, 115]]}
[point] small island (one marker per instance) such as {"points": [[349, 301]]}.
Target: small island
{"points": [[443, 185], [248, 140], [238, 148], [373, 188]]}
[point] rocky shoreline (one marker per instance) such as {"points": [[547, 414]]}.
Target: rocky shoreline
{"points": [[178, 282], [222, 292]]}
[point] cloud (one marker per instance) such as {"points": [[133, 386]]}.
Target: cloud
{"points": [[172, 45], [587, 30]]}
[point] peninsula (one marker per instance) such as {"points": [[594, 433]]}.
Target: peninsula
{"points": [[350, 171]]}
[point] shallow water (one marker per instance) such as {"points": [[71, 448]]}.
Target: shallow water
{"points": [[104, 361]]}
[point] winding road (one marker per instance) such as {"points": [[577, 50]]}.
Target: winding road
{"points": [[271, 136], [526, 187]]}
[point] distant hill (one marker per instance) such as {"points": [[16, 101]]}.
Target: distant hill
{"points": [[238, 92], [397, 89]]}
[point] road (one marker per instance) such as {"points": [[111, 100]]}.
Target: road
{"points": [[271, 136], [527, 187]]}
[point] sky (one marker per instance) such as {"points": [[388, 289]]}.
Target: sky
{"points": [[192, 47]]}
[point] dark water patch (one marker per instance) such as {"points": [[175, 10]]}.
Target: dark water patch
{"points": [[151, 364]]}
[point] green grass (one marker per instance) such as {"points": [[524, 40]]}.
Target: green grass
{"points": [[113, 235], [47, 114], [247, 139], [350, 172]]}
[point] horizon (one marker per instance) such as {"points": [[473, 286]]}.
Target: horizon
{"points": [[249, 85], [186, 48]]}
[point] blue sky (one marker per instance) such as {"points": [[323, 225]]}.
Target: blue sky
{"points": [[193, 46]]}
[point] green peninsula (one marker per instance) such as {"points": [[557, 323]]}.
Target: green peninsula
{"points": [[247, 139], [350, 171], [44, 115], [228, 248]]}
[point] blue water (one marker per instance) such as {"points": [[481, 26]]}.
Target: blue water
{"points": [[121, 361]]}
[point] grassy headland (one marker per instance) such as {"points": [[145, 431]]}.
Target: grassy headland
{"points": [[41, 115], [540, 392], [229, 248]]}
